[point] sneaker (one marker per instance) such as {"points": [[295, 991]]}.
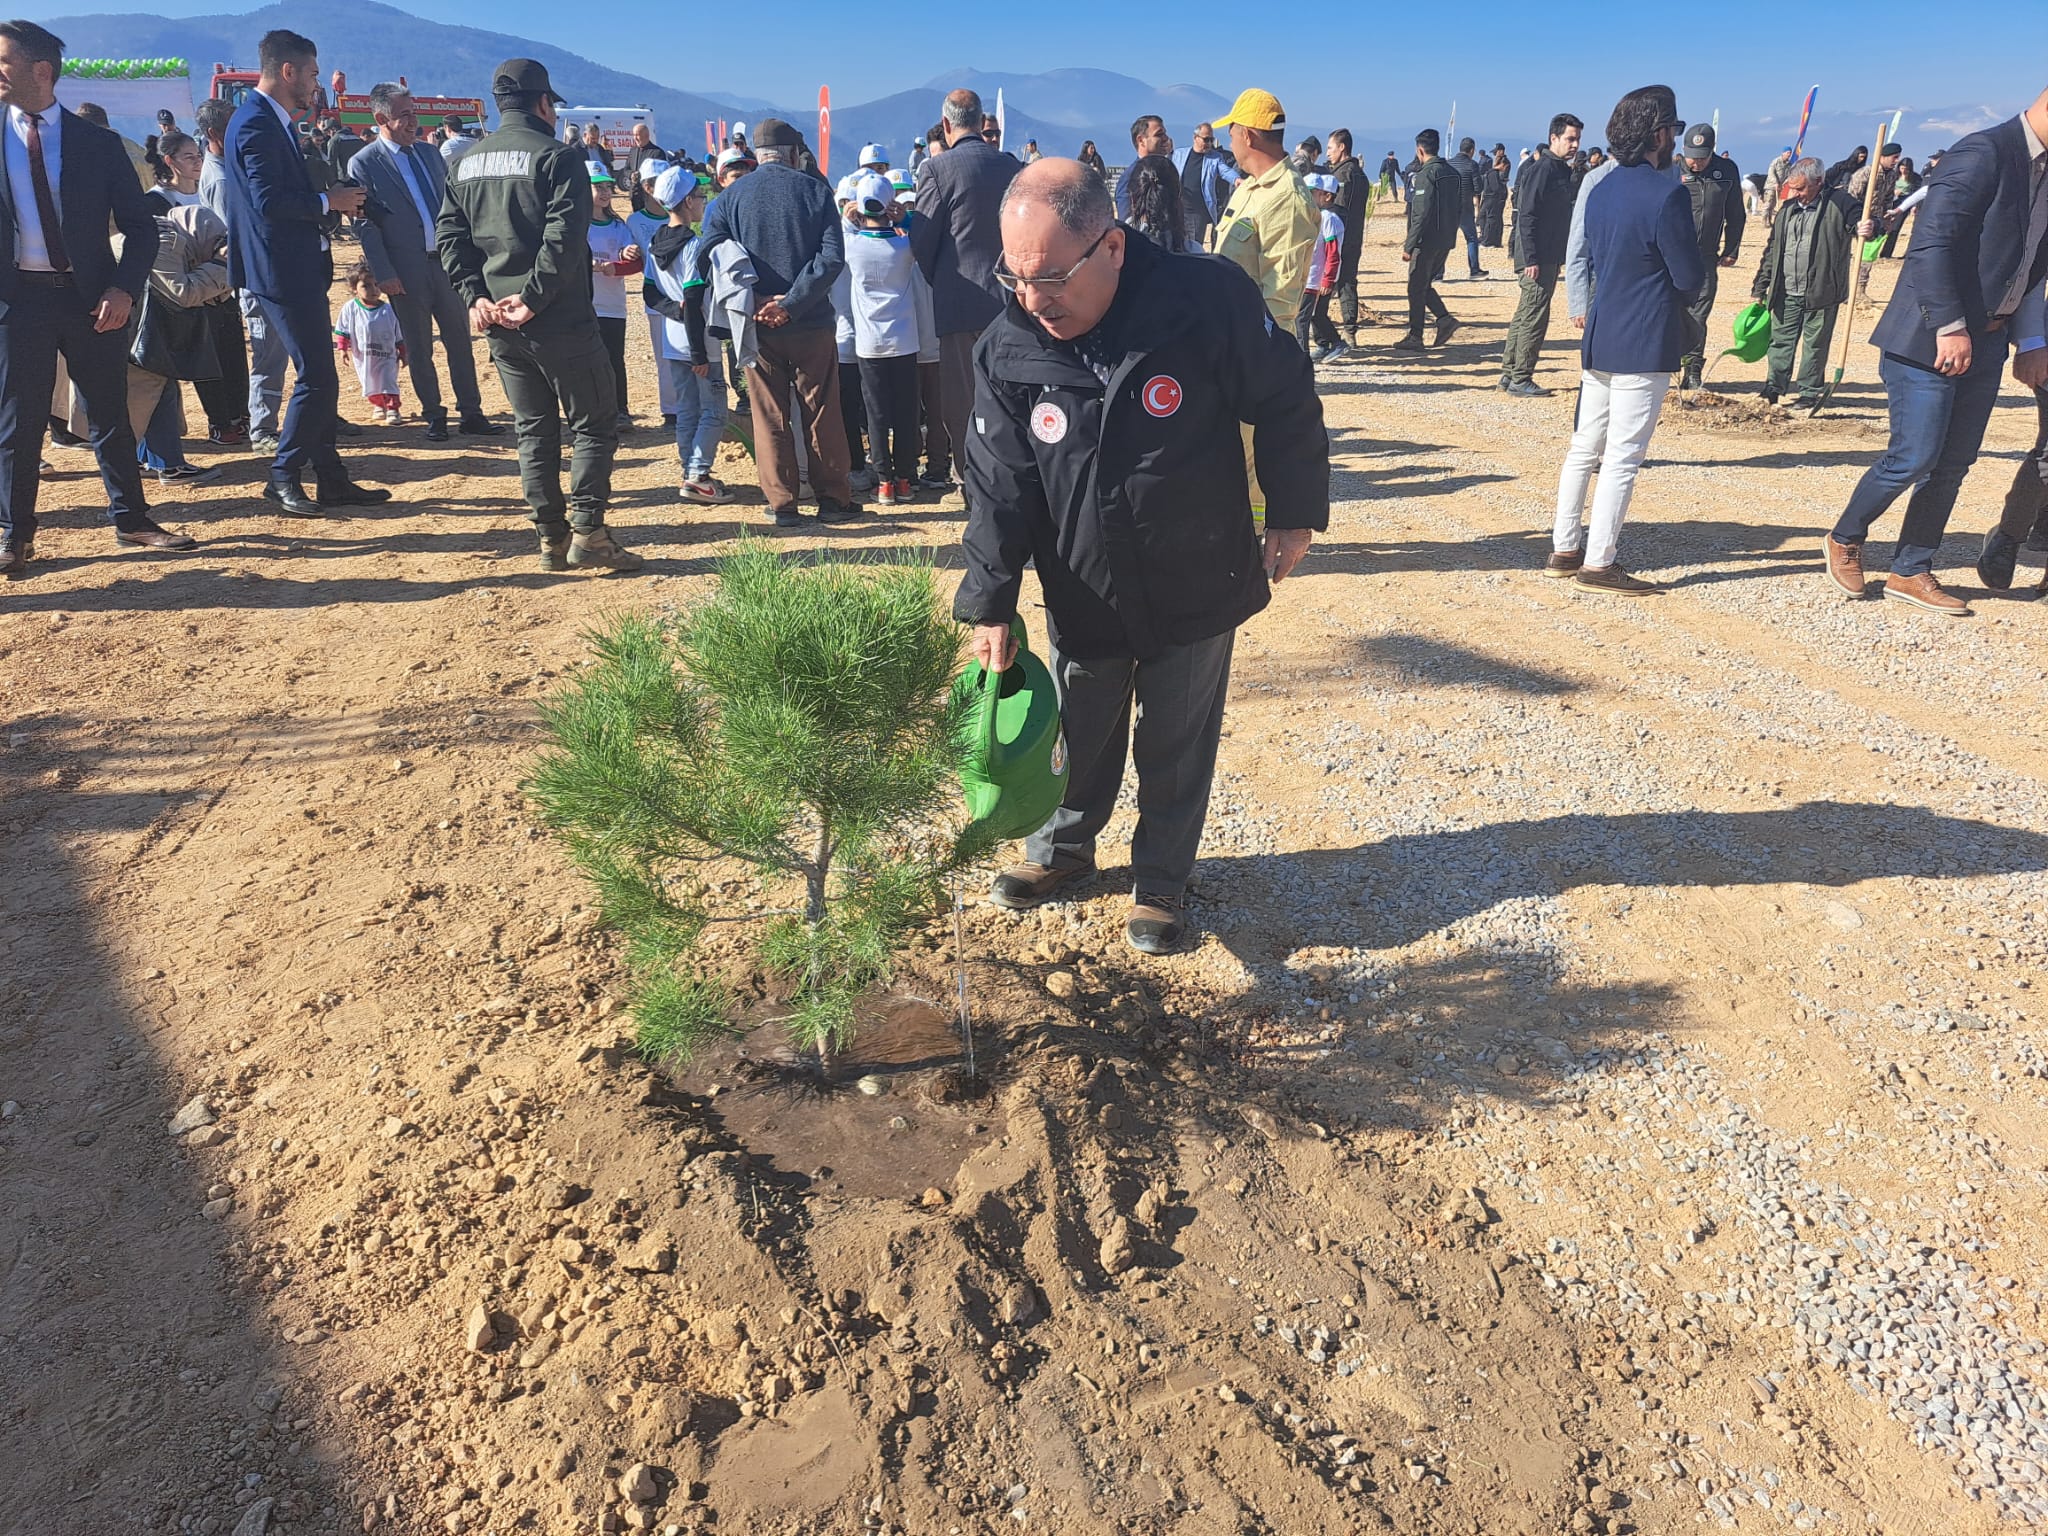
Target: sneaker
{"points": [[788, 517], [1156, 925], [1445, 330], [1024, 886], [597, 550], [1612, 578], [188, 474], [705, 492], [1336, 352], [905, 491], [1321, 355], [1527, 388], [229, 436], [861, 481], [263, 445], [1845, 566], [885, 493], [554, 551], [1925, 593], [1564, 563], [1689, 377], [1412, 342], [1995, 566], [940, 483], [830, 511]]}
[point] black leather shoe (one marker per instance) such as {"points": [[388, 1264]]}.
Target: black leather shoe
{"points": [[289, 499], [437, 429], [346, 493], [148, 535], [14, 557], [481, 426], [1996, 564]]}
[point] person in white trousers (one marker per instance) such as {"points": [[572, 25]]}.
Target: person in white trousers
{"points": [[1646, 266]]}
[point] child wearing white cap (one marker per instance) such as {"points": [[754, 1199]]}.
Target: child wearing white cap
{"points": [[874, 157], [643, 224], [1313, 325], [674, 292], [886, 334], [613, 258]]}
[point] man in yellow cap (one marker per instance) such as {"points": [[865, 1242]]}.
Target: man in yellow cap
{"points": [[1270, 225]]}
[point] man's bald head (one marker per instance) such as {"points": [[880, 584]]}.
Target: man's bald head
{"points": [[960, 115], [1059, 224]]}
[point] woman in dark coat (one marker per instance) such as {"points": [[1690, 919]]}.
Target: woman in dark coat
{"points": [[1493, 200], [1092, 158]]}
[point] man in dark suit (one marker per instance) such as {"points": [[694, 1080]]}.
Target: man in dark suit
{"points": [[277, 252], [405, 180], [1971, 284], [63, 181], [958, 236]]}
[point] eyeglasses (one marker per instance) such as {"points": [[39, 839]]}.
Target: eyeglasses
{"points": [[1677, 125], [1051, 281]]}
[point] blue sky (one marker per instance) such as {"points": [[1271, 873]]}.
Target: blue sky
{"points": [[1509, 67]]}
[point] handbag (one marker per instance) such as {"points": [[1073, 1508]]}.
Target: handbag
{"points": [[174, 341]]}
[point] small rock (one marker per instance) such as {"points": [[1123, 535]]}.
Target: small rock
{"points": [[872, 1086], [1228, 1393], [641, 1485], [255, 1519], [1119, 1247], [1019, 1305], [207, 1136], [216, 1209], [650, 1256], [9, 1110], [479, 1333], [197, 1112], [563, 1464], [932, 1198], [392, 1126], [1151, 1206], [1063, 984]]}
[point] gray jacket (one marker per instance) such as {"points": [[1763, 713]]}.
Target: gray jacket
{"points": [[400, 246], [957, 235]]}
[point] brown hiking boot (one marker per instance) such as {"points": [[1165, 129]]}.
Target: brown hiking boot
{"points": [[1564, 563], [1845, 566], [1023, 886], [554, 552], [1156, 925], [1612, 578], [1925, 592], [597, 550]]}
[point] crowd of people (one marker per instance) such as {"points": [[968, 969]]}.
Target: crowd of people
{"points": [[1119, 365]]}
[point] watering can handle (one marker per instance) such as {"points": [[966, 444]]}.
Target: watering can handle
{"points": [[992, 679]]}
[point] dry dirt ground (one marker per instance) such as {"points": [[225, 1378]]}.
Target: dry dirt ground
{"points": [[1607, 1095]]}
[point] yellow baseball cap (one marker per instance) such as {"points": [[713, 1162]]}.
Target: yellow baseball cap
{"points": [[1255, 109]]}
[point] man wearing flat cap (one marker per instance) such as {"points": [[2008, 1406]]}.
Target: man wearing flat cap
{"points": [[514, 236]]}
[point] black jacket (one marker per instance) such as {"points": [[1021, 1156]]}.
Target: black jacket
{"points": [[1436, 207], [1354, 189], [104, 195], [1829, 254], [1130, 497], [1544, 194], [957, 236], [1471, 173], [1717, 211]]}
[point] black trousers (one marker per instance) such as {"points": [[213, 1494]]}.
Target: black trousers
{"points": [[613, 331], [2026, 503], [937, 463], [226, 399], [1700, 311], [853, 411], [307, 437], [1312, 321], [890, 386], [440, 308], [1347, 279], [1423, 268], [43, 321], [550, 377]]}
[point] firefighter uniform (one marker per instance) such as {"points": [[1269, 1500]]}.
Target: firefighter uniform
{"points": [[516, 224], [1718, 217]]}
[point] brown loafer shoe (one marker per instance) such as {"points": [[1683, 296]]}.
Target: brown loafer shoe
{"points": [[1023, 886], [1925, 592], [1612, 578], [1845, 566], [1564, 563], [1156, 925], [153, 538]]}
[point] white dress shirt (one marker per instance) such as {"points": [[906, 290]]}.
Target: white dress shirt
{"points": [[31, 250]]}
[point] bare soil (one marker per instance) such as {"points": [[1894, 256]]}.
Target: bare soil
{"points": [[1606, 1095]]}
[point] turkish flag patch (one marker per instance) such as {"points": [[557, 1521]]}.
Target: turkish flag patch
{"points": [[1161, 394]]}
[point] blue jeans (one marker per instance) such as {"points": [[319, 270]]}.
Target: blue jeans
{"points": [[700, 415], [163, 445], [266, 368], [1468, 227], [1937, 426]]}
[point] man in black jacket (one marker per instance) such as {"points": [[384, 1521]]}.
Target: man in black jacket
{"points": [[1433, 226], [62, 291], [1469, 177], [1715, 187], [1543, 226], [1354, 197], [1108, 402], [956, 240]]}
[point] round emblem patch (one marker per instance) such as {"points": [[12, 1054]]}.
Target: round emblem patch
{"points": [[1048, 422], [1162, 394]]}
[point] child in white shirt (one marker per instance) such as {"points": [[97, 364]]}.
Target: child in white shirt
{"points": [[1314, 326], [366, 333], [886, 335], [613, 258]]}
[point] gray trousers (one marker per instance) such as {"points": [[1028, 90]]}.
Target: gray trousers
{"points": [[2026, 503], [956, 401], [1179, 720], [267, 363], [418, 316]]}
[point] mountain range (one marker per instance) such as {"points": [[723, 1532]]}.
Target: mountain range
{"points": [[373, 41]]}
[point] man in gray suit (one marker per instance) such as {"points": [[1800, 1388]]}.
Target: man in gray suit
{"points": [[407, 179]]}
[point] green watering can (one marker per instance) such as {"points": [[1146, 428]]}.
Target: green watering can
{"points": [[1752, 334], [1013, 755]]}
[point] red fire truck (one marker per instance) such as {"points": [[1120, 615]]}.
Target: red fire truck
{"points": [[231, 85]]}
